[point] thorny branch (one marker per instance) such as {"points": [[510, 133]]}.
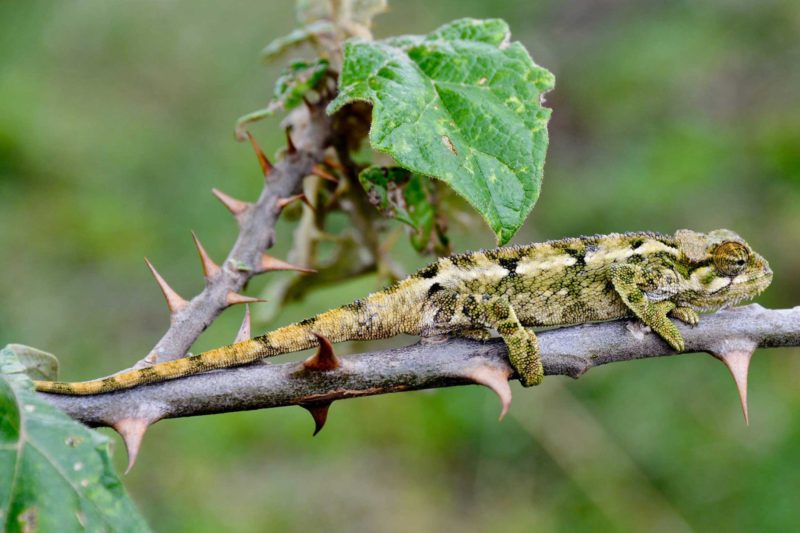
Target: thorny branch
{"points": [[730, 335], [308, 134], [315, 383]]}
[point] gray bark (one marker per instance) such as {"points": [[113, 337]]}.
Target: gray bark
{"points": [[567, 351]]}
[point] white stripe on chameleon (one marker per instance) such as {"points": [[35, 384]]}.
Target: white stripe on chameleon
{"points": [[603, 256], [653, 246], [532, 265]]}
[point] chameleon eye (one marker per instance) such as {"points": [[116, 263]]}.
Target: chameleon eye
{"points": [[730, 258]]}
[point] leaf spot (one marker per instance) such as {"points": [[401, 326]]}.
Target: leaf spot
{"points": [[449, 144], [28, 520], [73, 441]]}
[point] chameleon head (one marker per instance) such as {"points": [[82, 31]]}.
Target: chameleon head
{"points": [[720, 270]]}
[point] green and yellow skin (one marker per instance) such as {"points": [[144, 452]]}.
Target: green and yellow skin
{"points": [[556, 283]]}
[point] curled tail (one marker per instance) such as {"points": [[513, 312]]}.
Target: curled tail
{"points": [[383, 314]]}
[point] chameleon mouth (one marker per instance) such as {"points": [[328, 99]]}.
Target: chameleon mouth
{"points": [[740, 289]]}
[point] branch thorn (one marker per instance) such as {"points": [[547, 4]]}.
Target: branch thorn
{"points": [[497, 380], [319, 412], [333, 164], [236, 207], [738, 363], [269, 264], [319, 170], [266, 166], [132, 432], [325, 358], [210, 268], [244, 329], [235, 298], [283, 202], [309, 103], [290, 147], [174, 300]]}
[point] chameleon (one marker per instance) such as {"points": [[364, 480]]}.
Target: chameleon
{"points": [[648, 276]]}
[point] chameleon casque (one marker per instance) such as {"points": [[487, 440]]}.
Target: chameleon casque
{"points": [[556, 283]]}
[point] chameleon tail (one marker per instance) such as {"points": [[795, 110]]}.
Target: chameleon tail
{"points": [[372, 318]]}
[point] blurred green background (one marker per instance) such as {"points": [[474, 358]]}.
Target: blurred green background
{"points": [[116, 120]]}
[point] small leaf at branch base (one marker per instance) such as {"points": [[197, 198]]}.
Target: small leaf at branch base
{"points": [[298, 81], [354, 16], [409, 198], [296, 37], [55, 474], [461, 104]]}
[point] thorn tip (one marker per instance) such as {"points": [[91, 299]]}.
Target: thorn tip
{"points": [[266, 166], [236, 207], [132, 432], [283, 202], [290, 147], [495, 379], [174, 300], [234, 298], [244, 329], [319, 170], [325, 358], [270, 264], [319, 412], [738, 363], [210, 268]]}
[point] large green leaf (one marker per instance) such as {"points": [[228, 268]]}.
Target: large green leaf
{"points": [[55, 474], [462, 104]]}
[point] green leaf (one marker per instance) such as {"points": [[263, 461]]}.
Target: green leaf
{"points": [[36, 363], [407, 197], [308, 33], [297, 80], [352, 16], [55, 474], [461, 104]]}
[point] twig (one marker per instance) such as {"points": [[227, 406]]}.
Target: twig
{"points": [[308, 133], [567, 351]]}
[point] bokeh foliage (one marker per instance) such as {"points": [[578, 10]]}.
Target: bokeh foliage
{"points": [[116, 120]]}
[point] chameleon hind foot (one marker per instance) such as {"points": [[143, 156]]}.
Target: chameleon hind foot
{"points": [[522, 344], [523, 351]]}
